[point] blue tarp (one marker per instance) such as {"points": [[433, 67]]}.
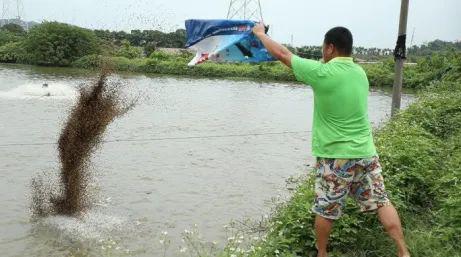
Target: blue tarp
{"points": [[225, 41]]}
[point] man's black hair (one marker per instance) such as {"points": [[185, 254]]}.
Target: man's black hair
{"points": [[341, 38]]}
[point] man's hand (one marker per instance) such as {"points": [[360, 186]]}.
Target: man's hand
{"points": [[259, 29]]}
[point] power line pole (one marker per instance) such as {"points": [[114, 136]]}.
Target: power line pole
{"points": [[245, 10], [10, 12], [17, 8], [412, 37], [4, 9], [399, 55]]}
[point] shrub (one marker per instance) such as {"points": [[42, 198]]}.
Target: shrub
{"points": [[8, 37], [53, 43], [13, 28], [128, 51], [12, 52]]}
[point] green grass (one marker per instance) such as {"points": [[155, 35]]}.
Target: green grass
{"points": [[379, 74], [177, 65], [420, 150]]}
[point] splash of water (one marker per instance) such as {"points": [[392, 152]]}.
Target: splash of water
{"points": [[39, 91], [97, 106]]}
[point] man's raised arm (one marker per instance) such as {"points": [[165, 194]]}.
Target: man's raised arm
{"points": [[277, 50]]}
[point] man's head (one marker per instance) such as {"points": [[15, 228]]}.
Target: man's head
{"points": [[338, 42]]}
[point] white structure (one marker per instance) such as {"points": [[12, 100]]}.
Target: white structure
{"points": [[13, 12], [12, 9], [245, 10]]}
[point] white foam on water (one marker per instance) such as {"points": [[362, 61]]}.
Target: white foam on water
{"points": [[92, 226], [38, 91], [92, 234]]}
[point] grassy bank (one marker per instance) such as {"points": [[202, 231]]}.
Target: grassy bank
{"points": [[379, 74], [176, 64], [420, 150]]}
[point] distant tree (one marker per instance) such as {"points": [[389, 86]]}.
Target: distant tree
{"points": [[53, 43], [13, 28], [176, 39], [8, 37], [310, 52], [103, 34], [149, 48], [128, 51], [12, 52], [136, 38], [434, 46]]}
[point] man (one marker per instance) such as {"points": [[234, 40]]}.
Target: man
{"points": [[347, 162]]}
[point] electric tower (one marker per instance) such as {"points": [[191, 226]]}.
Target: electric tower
{"points": [[245, 10]]}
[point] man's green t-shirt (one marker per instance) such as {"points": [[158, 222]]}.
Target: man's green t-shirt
{"points": [[341, 128]]}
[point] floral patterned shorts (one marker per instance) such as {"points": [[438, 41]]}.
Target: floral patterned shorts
{"points": [[338, 178]]}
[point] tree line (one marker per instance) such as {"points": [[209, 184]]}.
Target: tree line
{"points": [[59, 44]]}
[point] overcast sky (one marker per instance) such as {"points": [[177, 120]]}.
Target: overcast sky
{"points": [[372, 22]]}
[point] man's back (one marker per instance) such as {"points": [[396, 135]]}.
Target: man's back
{"points": [[341, 127]]}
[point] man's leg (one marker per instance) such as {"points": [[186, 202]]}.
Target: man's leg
{"points": [[332, 184], [323, 228], [391, 222], [369, 190]]}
